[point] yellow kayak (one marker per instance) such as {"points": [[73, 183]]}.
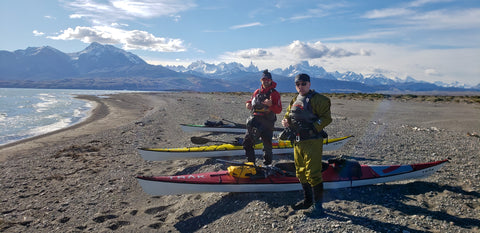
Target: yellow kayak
{"points": [[221, 150]]}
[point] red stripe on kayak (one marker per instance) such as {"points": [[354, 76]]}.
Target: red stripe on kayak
{"points": [[390, 169], [420, 166]]}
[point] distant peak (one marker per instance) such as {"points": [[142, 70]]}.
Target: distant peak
{"points": [[38, 50], [95, 44]]}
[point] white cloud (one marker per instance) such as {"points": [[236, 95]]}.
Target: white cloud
{"points": [[316, 50], [319, 11], [386, 13], [434, 28], [250, 54], [373, 34], [137, 39], [119, 25], [419, 3], [299, 17], [408, 9], [134, 39], [151, 8], [37, 33], [246, 25], [431, 72], [115, 10], [447, 19], [446, 65], [76, 16], [419, 19], [90, 34], [290, 54]]}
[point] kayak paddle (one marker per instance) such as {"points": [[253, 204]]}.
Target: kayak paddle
{"points": [[201, 140]]}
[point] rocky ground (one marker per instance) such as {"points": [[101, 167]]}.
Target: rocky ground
{"points": [[83, 179]]}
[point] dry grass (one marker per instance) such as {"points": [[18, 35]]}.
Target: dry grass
{"points": [[407, 97], [469, 99]]}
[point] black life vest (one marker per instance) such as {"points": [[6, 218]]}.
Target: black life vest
{"points": [[301, 111], [257, 102], [302, 116]]}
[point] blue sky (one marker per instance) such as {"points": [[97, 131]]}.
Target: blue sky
{"points": [[430, 40]]}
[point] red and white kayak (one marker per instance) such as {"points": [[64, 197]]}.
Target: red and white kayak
{"points": [[334, 178]]}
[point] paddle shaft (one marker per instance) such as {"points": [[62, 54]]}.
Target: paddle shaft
{"points": [[200, 140], [245, 126]]}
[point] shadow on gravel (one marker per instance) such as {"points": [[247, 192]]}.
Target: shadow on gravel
{"points": [[195, 168], [233, 202], [376, 226], [388, 196], [393, 197]]}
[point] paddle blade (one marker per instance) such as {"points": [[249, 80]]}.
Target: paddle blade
{"points": [[199, 140]]}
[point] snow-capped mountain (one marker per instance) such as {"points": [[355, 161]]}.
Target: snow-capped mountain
{"points": [[47, 63], [97, 56], [455, 84], [108, 67], [234, 70], [222, 70], [375, 79], [35, 62], [304, 67], [98, 52]]}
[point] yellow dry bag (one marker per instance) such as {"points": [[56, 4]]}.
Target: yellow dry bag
{"points": [[243, 171]]}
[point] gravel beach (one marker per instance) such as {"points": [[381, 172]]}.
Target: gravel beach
{"points": [[82, 179]]}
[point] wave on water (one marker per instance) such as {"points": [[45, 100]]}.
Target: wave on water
{"points": [[27, 113], [59, 124], [48, 101]]}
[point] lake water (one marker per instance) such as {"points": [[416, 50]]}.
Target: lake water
{"points": [[27, 113]]}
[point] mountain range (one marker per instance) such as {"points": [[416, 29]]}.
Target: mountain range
{"points": [[107, 67]]}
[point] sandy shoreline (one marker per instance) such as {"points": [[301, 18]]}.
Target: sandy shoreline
{"points": [[82, 178], [99, 110]]}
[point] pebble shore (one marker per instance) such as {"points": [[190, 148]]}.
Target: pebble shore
{"points": [[82, 179]]}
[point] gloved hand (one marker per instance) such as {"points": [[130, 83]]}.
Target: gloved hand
{"points": [[287, 134]]}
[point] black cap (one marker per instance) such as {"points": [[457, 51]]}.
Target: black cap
{"points": [[266, 74], [302, 77]]}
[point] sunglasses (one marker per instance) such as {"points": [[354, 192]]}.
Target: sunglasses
{"points": [[301, 83]]}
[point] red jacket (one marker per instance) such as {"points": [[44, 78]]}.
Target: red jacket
{"points": [[274, 96]]}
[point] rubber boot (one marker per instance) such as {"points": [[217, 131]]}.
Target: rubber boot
{"points": [[267, 159], [308, 198], [317, 208]]}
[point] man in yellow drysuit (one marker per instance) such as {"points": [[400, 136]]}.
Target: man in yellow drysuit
{"points": [[307, 114]]}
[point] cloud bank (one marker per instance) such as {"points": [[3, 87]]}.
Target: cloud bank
{"points": [[134, 39], [114, 10], [297, 50]]}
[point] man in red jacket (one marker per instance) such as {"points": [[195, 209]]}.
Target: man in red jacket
{"points": [[264, 105]]}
